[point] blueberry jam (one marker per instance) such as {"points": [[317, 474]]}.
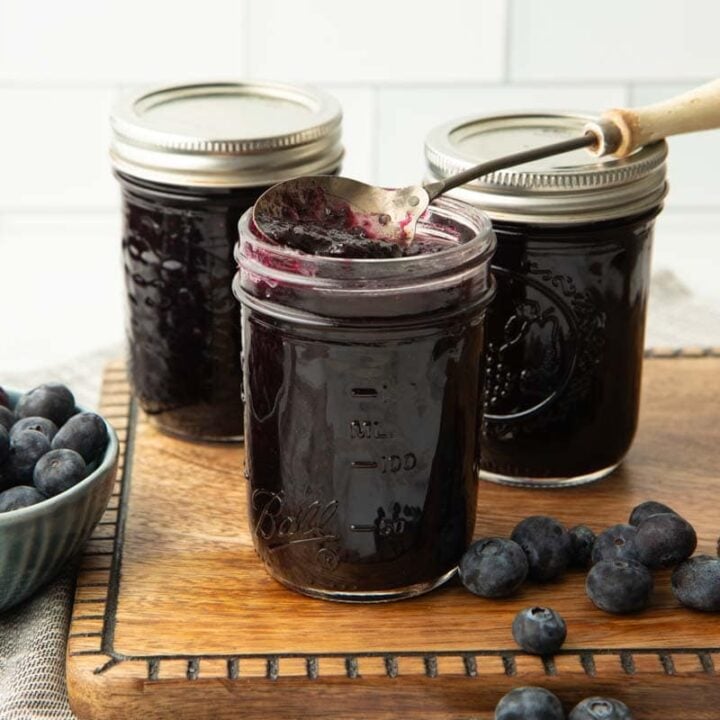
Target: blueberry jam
{"points": [[363, 391], [183, 322], [345, 242], [565, 346]]}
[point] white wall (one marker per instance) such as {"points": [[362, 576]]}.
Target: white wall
{"points": [[397, 66]]}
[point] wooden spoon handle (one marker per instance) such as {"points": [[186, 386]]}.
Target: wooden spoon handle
{"points": [[622, 130]]}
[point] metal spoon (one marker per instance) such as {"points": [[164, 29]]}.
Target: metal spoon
{"points": [[392, 215]]}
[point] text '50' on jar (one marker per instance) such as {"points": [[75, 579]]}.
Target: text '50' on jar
{"points": [[190, 160], [362, 388], [566, 330]]}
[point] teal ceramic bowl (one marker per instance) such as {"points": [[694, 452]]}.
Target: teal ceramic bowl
{"points": [[35, 542]]}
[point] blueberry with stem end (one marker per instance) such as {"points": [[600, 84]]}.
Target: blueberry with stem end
{"points": [[20, 496], [665, 540], [582, 539], [617, 586], [546, 544], [529, 703], [57, 471], [85, 433], [696, 583], [539, 630], [493, 567], [600, 708], [51, 400], [47, 427], [616, 543], [646, 509], [26, 448]]}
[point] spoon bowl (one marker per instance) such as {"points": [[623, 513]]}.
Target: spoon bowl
{"points": [[381, 214]]}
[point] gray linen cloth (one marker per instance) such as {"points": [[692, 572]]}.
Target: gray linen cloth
{"points": [[33, 635]]}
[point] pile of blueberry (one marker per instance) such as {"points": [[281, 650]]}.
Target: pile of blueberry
{"points": [[536, 703], [621, 557], [46, 445]]}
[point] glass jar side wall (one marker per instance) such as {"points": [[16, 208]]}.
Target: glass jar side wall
{"points": [[183, 323], [361, 452], [565, 348]]}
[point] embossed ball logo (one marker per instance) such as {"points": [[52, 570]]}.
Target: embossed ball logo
{"points": [[533, 343]]}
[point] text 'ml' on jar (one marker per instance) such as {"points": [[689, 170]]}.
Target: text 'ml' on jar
{"points": [[190, 160], [363, 390], [566, 330]]}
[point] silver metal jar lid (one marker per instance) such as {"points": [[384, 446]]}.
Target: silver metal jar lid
{"points": [[226, 134], [572, 188]]}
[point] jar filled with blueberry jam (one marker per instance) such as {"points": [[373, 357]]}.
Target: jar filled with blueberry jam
{"points": [[190, 160], [566, 330], [363, 389]]}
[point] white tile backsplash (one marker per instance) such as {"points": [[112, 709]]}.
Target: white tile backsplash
{"points": [[119, 41], [407, 114], [398, 68], [64, 295], [378, 40], [53, 149], [555, 40], [359, 130]]}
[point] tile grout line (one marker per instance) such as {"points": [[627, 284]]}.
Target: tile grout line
{"points": [[508, 40]]}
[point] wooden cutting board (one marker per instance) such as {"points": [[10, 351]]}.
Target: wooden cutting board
{"points": [[175, 618]]}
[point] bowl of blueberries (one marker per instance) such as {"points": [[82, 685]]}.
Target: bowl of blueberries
{"points": [[58, 464]]}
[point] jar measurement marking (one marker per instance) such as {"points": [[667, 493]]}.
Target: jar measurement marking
{"points": [[363, 465], [368, 430], [398, 463], [361, 392], [383, 526]]}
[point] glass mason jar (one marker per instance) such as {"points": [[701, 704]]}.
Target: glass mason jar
{"points": [[363, 387], [190, 160], [566, 330]]}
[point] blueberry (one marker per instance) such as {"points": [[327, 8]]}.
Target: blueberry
{"points": [[582, 539], [617, 586], [58, 471], [529, 703], [546, 544], [41, 424], [645, 510], [7, 417], [696, 583], [19, 497], [600, 708], [51, 400], [493, 567], [26, 448], [4, 444], [616, 543], [4, 399], [665, 540], [539, 630], [86, 433]]}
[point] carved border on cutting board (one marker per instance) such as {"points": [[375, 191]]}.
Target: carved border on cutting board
{"points": [[98, 584]]}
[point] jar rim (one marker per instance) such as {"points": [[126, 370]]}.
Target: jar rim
{"points": [[471, 213], [336, 287]]}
